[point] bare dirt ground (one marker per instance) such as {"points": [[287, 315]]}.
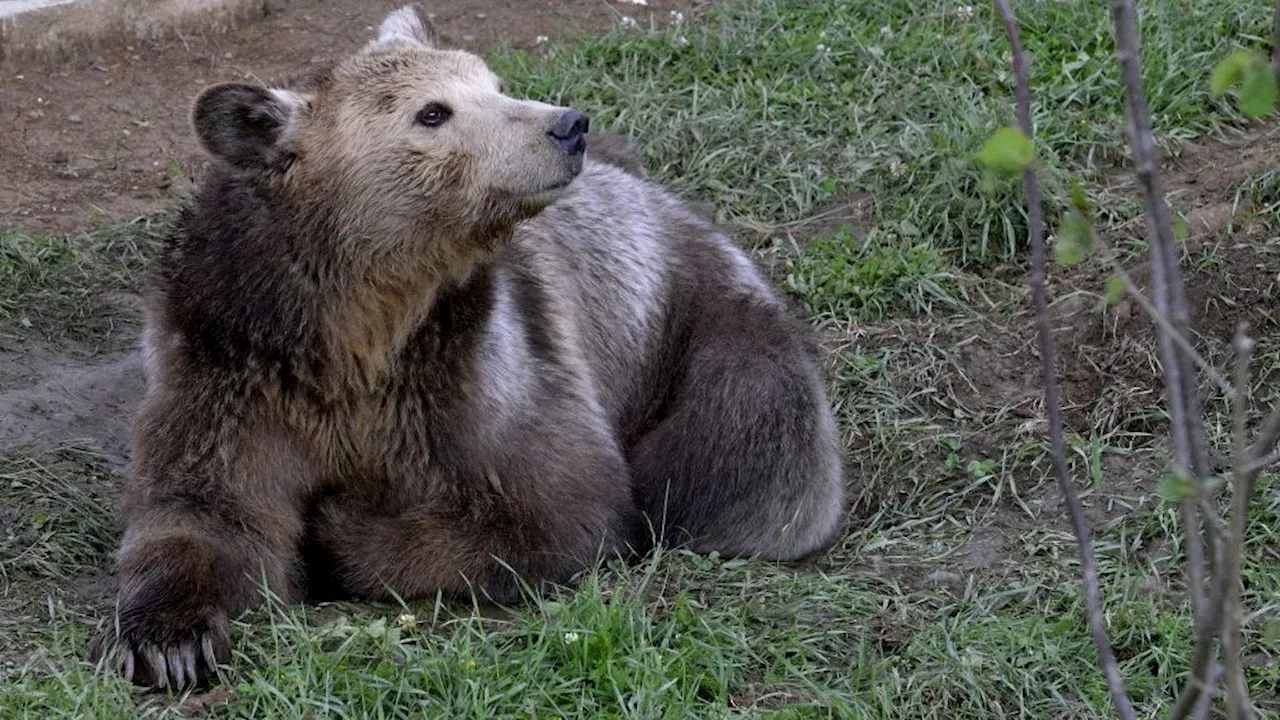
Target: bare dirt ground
{"points": [[103, 134]]}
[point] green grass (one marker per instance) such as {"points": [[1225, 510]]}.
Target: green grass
{"points": [[840, 275], [58, 525], [954, 592], [57, 511], [57, 286], [684, 636], [771, 108]]}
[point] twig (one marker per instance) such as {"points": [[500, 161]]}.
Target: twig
{"points": [[1210, 514], [1205, 703], [1256, 466], [1132, 289], [1239, 707], [1169, 298], [1224, 611], [1266, 439], [1254, 460], [1203, 680], [1048, 364], [1275, 40]]}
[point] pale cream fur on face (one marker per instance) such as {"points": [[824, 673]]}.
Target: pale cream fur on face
{"points": [[359, 138]]}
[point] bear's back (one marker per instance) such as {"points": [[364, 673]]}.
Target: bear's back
{"points": [[630, 264]]}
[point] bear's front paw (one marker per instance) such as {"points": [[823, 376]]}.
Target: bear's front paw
{"points": [[166, 650]]}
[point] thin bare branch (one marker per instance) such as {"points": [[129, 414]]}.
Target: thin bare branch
{"points": [[1266, 439], [1275, 40], [1195, 696], [1052, 402], [1262, 453], [1203, 680], [1224, 609], [1256, 466], [1205, 703], [1198, 517], [1133, 291], [1189, 455], [1239, 706]]}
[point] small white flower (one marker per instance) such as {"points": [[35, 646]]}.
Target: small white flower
{"points": [[964, 12], [407, 620], [821, 48], [886, 31], [677, 18], [540, 39], [680, 41], [628, 21], [570, 638], [637, 2]]}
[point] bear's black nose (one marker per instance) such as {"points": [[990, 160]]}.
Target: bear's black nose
{"points": [[569, 132]]}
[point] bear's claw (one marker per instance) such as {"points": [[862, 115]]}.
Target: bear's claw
{"points": [[191, 661]]}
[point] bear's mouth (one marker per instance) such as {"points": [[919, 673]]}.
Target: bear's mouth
{"points": [[552, 191], [560, 185], [536, 202], [571, 173]]}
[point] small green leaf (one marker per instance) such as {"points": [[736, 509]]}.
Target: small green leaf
{"points": [[1078, 198], [1067, 251], [1229, 71], [1115, 290], [1181, 229], [1075, 239], [1271, 632], [1249, 69], [1258, 91], [1008, 150], [1176, 488]]}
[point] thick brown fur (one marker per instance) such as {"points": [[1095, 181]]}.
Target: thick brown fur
{"points": [[390, 355]]}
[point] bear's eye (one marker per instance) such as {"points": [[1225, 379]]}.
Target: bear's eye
{"points": [[433, 115]]}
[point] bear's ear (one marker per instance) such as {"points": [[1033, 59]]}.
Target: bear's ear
{"points": [[407, 24], [245, 125]]}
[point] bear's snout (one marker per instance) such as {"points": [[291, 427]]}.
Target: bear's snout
{"points": [[569, 132]]}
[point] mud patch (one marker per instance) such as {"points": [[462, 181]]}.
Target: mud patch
{"points": [[1231, 258], [47, 398], [854, 212], [105, 137]]}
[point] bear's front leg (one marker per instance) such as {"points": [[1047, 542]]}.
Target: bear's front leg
{"points": [[535, 508], [212, 509]]}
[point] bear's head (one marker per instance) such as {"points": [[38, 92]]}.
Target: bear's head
{"points": [[400, 144]]}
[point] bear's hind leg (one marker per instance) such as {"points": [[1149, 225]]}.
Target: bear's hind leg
{"points": [[746, 460], [545, 509]]}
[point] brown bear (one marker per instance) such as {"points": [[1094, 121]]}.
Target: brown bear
{"points": [[409, 337]]}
